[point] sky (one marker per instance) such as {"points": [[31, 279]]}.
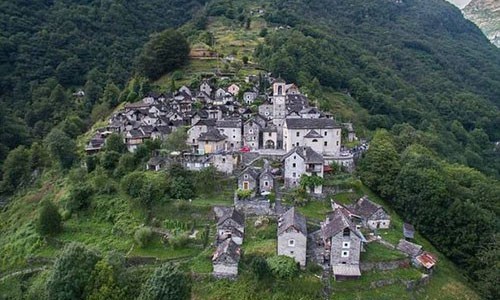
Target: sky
{"points": [[460, 3]]}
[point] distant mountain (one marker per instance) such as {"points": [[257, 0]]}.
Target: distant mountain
{"points": [[486, 14]]}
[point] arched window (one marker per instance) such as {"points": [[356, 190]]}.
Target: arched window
{"points": [[315, 141], [280, 90]]}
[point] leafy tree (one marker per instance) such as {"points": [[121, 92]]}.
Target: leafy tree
{"points": [[167, 282], [91, 163], [61, 148], [16, 170], [109, 160], [49, 220], [176, 141], [260, 268], [126, 164], [72, 273], [310, 181], [283, 266], [164, 52], [114, 142], [79, 197], [104, 283]]}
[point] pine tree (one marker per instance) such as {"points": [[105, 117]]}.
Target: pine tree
{"points": [[49, 219]]}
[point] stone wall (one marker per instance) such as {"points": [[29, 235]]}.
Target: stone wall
{"points": [[385, 265]]}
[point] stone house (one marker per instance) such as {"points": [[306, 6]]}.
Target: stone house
{"points": [[310, 113], [266, 181], [248, 179], [408, 231], [266, 110], [226, 259], [229, 218], [300, 161], [249, 97], [233, 89], [156, 163], [251, 134], [295, 129], [292, 236], [160, 132], [374, 216], [410, 249], [206, 88], [211, 141], [343, 244], [232, 129], [269, 137], [225, 162], [194, 133]]}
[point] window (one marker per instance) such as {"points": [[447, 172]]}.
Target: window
{"points": [[294, 157], [235, 137], [346, 244], [326, 144], [326, 132], [294, 165], [337, 143], [345, 253], [298, 133], [315, 141], [294, 174], [291, 243], [266, 183], [250, 131], [347, 232], [223, 160], [270, 134], [291, 252], [298, 144], [246, 176]]}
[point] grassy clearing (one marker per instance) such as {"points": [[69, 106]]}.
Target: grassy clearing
{"points": [[316, 210], [376, 252], [262, 240]]}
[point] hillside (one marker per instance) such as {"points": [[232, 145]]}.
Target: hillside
{"points": [[414, 76], [486, 14]]}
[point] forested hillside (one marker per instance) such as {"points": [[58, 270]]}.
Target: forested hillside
{"points": [[416, 79], [51, 49]]}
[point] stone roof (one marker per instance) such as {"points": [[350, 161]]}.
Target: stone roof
{"points": [[408, 230], [301, 123], [228, 247], [313, 134], [162, 129], [212, 135], [307, 153], [426, 259], [337, 222], [365, 208], [206, 122], [292, 218], [250, 171], [233, 214], [409, 248], [156, 160], [229, 123]]}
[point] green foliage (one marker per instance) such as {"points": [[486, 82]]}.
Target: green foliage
{"points": [[260, 268], [16, 170], [176, 141], [167, 282], [79, 197], [142, 236], [49, 220], [72, 272], [442, 200], [243, 194], [164, 52], [283, 267], [145, 187], [126, 164], [311, 181], [104, 283], [114, 142], [61, 148], [109, 160]]}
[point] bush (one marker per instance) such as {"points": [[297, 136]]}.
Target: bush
{"points": [[260, 267], [244, 194], [179, 241], [49, 220], [142, 236], [167, 282], [79, 197], [109, 160], [283, 267]]}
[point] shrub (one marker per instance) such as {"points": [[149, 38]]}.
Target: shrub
{"points": [[283, 267], [79, 197], [167, 282], [109, 160], [244, 194], [142, 236], [49, 219], [260, 267], [179, 241]]}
